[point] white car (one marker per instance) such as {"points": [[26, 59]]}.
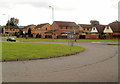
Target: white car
{"points": [[11, 39]]}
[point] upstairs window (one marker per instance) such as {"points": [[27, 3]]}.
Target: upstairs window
{"points": [[107, 27], [93, 28]]}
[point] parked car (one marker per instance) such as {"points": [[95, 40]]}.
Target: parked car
{"points": [[11, 39]]}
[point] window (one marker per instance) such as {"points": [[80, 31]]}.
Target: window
{"points": [[93, 28], [107, 27]]}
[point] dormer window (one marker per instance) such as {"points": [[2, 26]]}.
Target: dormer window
{"points": [[107, 27], [93, 28]]}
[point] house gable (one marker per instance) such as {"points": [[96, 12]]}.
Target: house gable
{"points": [[115, 26], [86, 27], [94, 30], [108, 30]]}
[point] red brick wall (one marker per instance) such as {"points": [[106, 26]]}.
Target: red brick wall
{"points": [[55, 26], [92, 36]]}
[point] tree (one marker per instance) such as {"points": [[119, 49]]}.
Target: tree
{"points": [[29, 32], [21, 32], [16, 34], [12, 22], [94, 22], [2, 30]]}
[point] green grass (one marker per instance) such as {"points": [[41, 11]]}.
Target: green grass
{"points": [[33, 39], [113, 44], [96, 40], [12, 50], [64, 40]]}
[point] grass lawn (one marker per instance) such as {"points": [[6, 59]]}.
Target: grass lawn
{"points": [[12, 50], [78, 40], [113, 43]]}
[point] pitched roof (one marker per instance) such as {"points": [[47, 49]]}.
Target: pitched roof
{"points": [[115, 26], [85, 26], [29, 26], [100, 28], [65, 23], [41, 25], [12, 27]]}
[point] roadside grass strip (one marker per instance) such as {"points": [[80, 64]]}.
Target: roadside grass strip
{"points": [[12, 50], [113, 44], [65, 40]]}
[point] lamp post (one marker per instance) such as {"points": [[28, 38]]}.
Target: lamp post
{"points": [[8, 22], [8, 19], [52, 18], [52, 13]]}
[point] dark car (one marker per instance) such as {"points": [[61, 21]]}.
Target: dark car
{"points": [[11, 39]]}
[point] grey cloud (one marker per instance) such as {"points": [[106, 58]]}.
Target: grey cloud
{"points": [[8, 4], [45, 4], [41, 4]]}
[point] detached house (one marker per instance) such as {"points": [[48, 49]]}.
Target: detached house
{"points": [[113, 30], [97, 32], [39, 30], [10, 30], [25, 29], [86, 29], [115, 27], [62, 28]]}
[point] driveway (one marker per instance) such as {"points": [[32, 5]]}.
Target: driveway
{"points": [[98, 63]]}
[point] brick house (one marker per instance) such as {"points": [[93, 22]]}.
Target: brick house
{"points": [[60, 28], [41, 29], [38, 31], [96, 32], [86, 29], [25, 29], [113, 30], [10, 30]]}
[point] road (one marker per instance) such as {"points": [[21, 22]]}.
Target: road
{"points": [[98, 63]]}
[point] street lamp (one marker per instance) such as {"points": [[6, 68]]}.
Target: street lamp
{"points": [[52, 13], [8, 19], [52, 18]]}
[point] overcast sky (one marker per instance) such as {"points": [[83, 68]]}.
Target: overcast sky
{"points": [[79, 11]]}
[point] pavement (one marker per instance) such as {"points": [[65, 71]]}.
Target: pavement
{"points": [[98, 63]]}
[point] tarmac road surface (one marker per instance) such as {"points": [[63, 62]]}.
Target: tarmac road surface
{"points": [[98, 63]]}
